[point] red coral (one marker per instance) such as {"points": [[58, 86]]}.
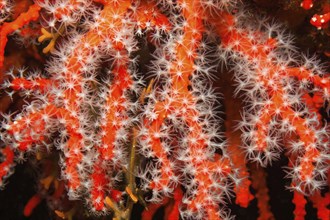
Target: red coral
{"points": [[119, 144]]}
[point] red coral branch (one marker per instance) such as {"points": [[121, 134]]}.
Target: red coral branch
{"points": [[8, 28]]}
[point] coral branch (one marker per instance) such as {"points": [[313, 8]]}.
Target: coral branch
{"points": [[8, 28]]}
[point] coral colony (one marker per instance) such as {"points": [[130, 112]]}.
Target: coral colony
{"points": [[111, 136]]}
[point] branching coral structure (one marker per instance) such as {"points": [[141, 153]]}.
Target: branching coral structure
{"points": [[112, 135]]}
